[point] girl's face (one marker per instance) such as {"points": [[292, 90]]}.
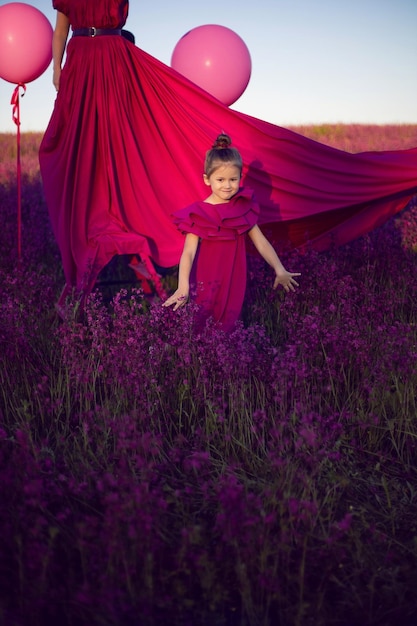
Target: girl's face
{"points": [[224, 183]]}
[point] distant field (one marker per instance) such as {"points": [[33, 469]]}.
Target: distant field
{"points": [[362, 137]]}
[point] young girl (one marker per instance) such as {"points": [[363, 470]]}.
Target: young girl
{"points": [[215, 230]]}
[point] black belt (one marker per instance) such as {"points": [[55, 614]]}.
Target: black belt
{"points": [[95, 32]]}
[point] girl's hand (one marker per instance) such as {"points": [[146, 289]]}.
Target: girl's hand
{"points": [[178, 299], [287, 280]]}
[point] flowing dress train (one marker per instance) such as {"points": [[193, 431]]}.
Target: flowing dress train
{"points": [[124, 146]]}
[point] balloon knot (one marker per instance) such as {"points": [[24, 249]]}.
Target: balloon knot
{"points": [[15, 102]]}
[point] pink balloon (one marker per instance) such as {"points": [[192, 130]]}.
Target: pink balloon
{"points": [[25, 42], [215, 58]]}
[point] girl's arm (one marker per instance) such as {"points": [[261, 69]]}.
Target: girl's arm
{"points": [[180, 296], [265, 249], [59, 41]]}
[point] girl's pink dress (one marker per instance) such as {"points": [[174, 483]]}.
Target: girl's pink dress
{"points": [[124, 149], [220, 277]]}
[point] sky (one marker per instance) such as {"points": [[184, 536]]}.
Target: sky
{"points": [[313, 61]]}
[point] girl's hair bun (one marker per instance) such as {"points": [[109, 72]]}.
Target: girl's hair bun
{"points": [[222, 141]]}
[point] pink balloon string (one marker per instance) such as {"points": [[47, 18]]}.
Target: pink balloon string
{"points": [[15, 102]]}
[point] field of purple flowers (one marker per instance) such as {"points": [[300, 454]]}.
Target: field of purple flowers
{"points": [[153, 476]]}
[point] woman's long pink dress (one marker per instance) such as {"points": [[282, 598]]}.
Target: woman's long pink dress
{"points": [[220, 276], [125, 145]]}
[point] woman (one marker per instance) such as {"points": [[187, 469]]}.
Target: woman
{"points": [[114, 151]]}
